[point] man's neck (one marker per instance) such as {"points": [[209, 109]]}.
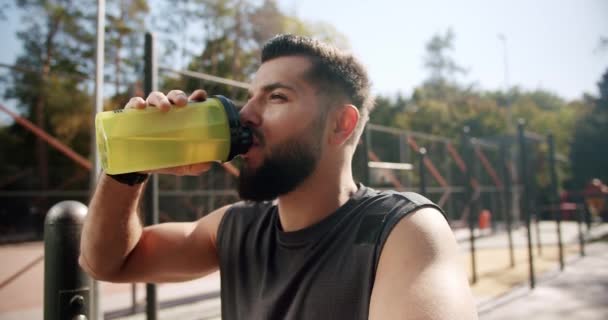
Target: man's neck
{"points": [[316, 198]]}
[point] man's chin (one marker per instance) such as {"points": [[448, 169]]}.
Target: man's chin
{"points": [[251, 165], [253, 193]]}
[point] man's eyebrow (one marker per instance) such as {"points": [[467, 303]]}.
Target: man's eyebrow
{"points": [[272, 86], [277, 85]]}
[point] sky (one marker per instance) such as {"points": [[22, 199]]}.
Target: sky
{"points": [[551, 44]]}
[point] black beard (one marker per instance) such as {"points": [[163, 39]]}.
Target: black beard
{"points": [[288, 165]]}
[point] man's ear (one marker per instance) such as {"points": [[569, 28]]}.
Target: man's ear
{"points": [[344, 122]]}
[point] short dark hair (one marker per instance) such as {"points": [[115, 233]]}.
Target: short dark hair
{"points": [[338, 73]]}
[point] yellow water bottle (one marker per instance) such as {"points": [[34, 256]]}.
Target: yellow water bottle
{"points": [[130, 140]]}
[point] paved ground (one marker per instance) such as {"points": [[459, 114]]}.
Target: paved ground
{"points": [[580, 292], [21, 292]]}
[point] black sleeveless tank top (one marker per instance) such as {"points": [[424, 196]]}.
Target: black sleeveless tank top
{"points": [[325, 271]]}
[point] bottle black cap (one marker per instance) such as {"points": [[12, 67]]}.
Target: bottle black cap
{"points": [[240, 136]]}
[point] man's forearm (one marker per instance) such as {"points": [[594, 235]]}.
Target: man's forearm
{"points": [[112, 227]]}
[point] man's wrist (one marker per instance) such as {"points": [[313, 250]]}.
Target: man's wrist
{"points": [[131, 178]]}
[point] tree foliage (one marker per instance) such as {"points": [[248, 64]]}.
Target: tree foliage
{"points": [[124, 36], [442, 106], [589, 149], [57, 38], [438, 61], [52, 84], [235, 31]]}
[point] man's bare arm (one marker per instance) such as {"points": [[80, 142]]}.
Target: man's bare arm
{"points": [[420, 275], [115, 247]]}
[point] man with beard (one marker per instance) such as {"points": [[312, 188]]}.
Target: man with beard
{"points": [[327, 248]]}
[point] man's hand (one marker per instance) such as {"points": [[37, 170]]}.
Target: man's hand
{"points": [[174, 99]]}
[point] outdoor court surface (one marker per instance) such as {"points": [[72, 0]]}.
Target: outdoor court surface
{"points": [[22, 267]]}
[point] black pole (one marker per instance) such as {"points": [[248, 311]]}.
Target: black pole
{"points": [[422, 156], [450, 176], [506, 196], [587, 215], [67, 288], [363, 158], [532, 193], [580, 211], [554, 200], [539, 246], [467, 152], [525, 202], [151, 192]]}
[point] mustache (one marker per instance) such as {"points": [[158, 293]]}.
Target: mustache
{"points": [[258, 136]]}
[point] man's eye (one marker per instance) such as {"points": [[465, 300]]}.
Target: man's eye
{"points": [[278, 97]]}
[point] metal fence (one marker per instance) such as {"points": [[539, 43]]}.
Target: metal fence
{"points": [[447, 166]]}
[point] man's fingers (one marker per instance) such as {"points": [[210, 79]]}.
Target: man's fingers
{"points": [[164, 102], [198, 95], [198, 168], [159, 100], [136, 103], [178, 98]]}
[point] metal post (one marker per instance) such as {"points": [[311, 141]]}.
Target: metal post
{"points": [[506, 192], [450, 204], [151, 192], [580, 211], [67, 288], [467, 152], [587, 216], [554, 203], [422, 156], [133, 298], [367, 143], [533, 203], [99, 84], [539, 246], [508, 117], [525, 204]]}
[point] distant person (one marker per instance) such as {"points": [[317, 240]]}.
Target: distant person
{"points": [[327, 248], [595, 197]]}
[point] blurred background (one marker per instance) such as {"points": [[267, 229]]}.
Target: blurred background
{"points": [[437, 68]]}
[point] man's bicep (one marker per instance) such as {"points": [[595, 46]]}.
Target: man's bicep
{"points": [[171, 252], [419, 274]]}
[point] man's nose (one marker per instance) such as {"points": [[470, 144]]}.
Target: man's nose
{"points": [[250, 115]]}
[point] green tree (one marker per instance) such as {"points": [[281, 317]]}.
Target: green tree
{"points": [[234, 33], [442, 67], [57, 38], [3, 8], [589, 148], [387, 108], [124, 34]]}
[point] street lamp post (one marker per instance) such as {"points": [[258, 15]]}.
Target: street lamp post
{"points": [[508, 119]]}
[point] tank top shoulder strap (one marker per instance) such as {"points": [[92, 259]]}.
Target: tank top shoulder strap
{"points": [[238, 219], [401, 205]]}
